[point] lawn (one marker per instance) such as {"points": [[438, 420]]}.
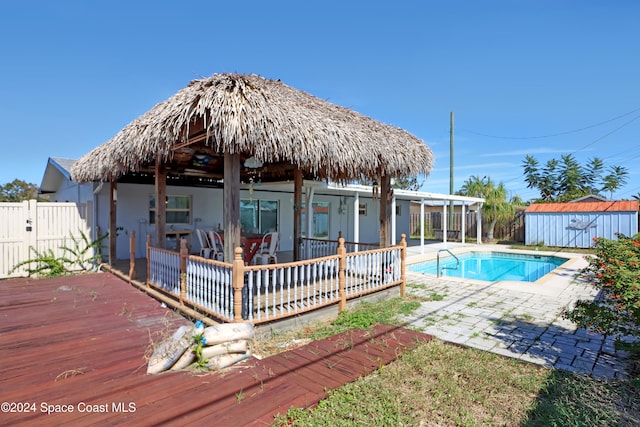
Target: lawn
{"points": [[448, 385]]}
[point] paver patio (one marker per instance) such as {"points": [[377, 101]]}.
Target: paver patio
{"points": [[516, 319]]}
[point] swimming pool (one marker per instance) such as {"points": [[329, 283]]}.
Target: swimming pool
{"points": [[492, 266]]}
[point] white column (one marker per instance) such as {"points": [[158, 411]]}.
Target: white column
{"points": [[356, 219], [309, 225], [393, 220], [462, 220], [479, 223], [444, 222], [421, 226]]}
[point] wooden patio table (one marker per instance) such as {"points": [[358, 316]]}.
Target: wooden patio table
{"points": [[250, 243], [178, 234]]}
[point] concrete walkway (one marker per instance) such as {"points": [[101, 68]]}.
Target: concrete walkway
{"points": [[515, 319]]}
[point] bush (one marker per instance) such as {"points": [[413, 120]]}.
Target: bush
{"points": [[81, 256], [615, 271]]}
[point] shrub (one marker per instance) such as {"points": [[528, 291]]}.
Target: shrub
{"points": [[615, 271], [82, 255]]}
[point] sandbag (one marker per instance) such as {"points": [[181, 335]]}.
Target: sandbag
{"points": [[220, 362], [240, 346], [187, 358], [170, 350], [228, 332]]}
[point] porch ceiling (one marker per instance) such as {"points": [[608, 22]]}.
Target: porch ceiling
{"points": [[200, 166]]}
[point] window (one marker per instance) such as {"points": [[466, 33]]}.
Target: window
{"points": [[320, 220], [259, 216], [178, 209]]}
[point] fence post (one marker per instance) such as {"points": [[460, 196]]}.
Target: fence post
{"points": [[184, 253], [403, 264], [31, 224], [148, 256], [238, 283], [132, 255], [342, 266]]}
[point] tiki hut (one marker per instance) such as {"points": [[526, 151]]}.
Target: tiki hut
{"points": [[247, 124]]}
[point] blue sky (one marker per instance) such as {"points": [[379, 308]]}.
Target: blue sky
{"points": [[541, 77]]}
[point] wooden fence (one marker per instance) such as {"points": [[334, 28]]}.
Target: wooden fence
{"points": [[233, 292], [31, 226], [513, 230]]}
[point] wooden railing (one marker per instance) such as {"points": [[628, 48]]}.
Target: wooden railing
{"points": [[164, 269], [263, 293], [370, 271], [281, 290], [209, 287], [316, 248]]}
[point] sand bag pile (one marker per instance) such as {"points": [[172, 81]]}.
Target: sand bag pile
{"points": [[213, 347]]}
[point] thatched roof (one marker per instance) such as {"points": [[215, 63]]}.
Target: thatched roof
{"points": [[255, 116]]}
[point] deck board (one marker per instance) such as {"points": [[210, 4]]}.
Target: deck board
{"points": [[101, 325]]}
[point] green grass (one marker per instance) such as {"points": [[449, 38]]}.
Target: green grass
{"points": [[447, 385]]}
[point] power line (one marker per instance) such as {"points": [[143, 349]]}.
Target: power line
{"points": [[557, 134], [607, 134]]}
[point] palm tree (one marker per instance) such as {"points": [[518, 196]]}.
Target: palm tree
{"points": [[565, 179], [592, 175], [616, 179], [496, 209]]}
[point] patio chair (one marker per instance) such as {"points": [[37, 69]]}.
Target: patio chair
{"points": [[267, 251], [217, 247], [205, 245]]}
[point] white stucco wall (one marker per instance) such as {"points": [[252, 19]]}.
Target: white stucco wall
{"points": [[207, 212], [72, 192]]}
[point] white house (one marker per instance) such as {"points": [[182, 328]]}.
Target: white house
{"points": [[351, 211]]}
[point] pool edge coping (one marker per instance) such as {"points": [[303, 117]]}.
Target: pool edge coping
{"points": [[559, 273]]}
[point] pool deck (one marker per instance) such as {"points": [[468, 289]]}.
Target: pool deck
{"points": [[515, 319]]}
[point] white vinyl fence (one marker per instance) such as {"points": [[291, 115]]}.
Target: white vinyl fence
{"points": [[42, 226]]}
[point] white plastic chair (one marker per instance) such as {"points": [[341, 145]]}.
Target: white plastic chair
{"points": [[205, 244], [217, 247], [268, 251]]}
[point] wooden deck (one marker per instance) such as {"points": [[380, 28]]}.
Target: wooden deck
{"points": [[80, 342]]}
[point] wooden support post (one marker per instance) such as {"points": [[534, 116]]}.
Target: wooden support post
{"points": [[184, 253], [148, 256], [161, 206], [132, 255], [342, 267], [238, 283], [231, 199], [403, 264], [113, 232]]}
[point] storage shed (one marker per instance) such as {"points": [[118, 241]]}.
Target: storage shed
{"points": [[575, 224]]}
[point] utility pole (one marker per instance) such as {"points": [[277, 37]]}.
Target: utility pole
{"points": [[451, 190]]}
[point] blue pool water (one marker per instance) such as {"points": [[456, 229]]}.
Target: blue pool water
{"points": [[492, 266]]}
